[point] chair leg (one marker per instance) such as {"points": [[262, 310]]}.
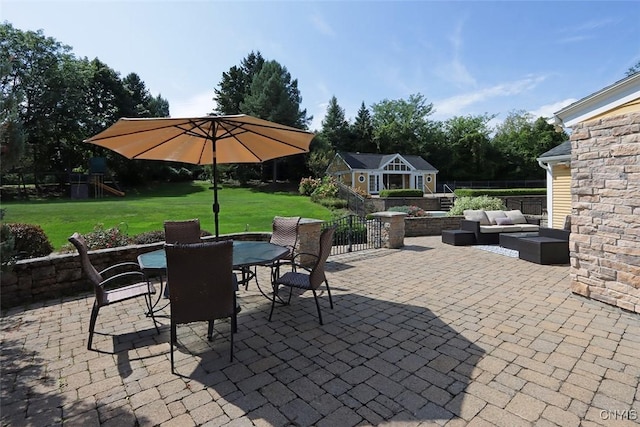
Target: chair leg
{"points": [[210, 330], [150, 312], [234, 317], [329, 293], [92, 323], [173, 339], [315, 297], [231, 339], [273, 301]]}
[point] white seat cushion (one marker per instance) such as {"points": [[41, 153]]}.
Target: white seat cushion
{"points": [[528, 227]]}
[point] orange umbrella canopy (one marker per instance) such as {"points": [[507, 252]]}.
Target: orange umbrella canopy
{"points": [[204, 141], [238, 139]]}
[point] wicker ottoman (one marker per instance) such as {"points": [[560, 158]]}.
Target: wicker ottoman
{"points": [[544, 250], [512, 240], [458, 237]]}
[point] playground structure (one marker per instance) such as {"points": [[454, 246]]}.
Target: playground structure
{"points": [[80, 183]]}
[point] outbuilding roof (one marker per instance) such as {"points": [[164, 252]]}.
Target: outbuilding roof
{"points": [[377, 161], [563, 149]]}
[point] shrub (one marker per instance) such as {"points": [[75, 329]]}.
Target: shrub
{"points": [[101, 238], [474, 192], [482, 202], [7, 248], [308, 185], [333, 203], [401, 193], [156, 236], [327, 189], [409, 210], [357, 234], [30, 241], [148, 237], [359, 191]]}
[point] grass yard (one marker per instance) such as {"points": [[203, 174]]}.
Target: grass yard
{"points": [[146, 209]]}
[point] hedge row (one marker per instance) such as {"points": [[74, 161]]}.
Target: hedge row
{"points": [[475, 192], [401, 193]]}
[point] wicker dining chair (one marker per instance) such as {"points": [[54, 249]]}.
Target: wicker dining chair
{"points": [[312, 278], [284, 233], [202, 286], [182, 231], [117, 283]]}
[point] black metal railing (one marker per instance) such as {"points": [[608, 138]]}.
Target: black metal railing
{"points": [[356, 203], [355, 233], [527, 207]]}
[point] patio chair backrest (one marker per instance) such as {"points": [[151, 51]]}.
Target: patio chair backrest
{"points": [[317, 276], [88, 269], [285, 232], [201, 277], [182, 231]]}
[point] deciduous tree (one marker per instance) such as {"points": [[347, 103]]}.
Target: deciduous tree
{"points": [[402, 126]]}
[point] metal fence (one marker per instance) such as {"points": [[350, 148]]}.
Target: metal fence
{"points": [[527, 207], [529, 183], [355, 233]]}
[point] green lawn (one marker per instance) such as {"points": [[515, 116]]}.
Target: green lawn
{"points": [[146, 209]]}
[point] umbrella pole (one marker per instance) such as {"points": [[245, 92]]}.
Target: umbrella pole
{"points": [[216, 206]]}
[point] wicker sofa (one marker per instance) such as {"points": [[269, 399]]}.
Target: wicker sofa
{"points": [[487, 225]]}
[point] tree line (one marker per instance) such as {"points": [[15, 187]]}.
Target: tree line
{"points": [[51, 100]]}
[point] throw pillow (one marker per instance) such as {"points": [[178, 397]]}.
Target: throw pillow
{"points": [[504, 221], [516, 216], [476, 215], [494, 215]]}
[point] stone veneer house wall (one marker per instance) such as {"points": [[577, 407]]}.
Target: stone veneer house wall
{"points": [[605, 191], [605, 238]]}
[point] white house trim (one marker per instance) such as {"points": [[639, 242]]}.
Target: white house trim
{"points": [[609, 98]]}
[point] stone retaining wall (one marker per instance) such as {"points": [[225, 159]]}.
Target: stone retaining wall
{"points": [[59, 275], [430, 226], [605, 219]]}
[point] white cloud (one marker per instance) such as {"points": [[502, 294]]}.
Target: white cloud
{"points": [[196, 105], [590, 25], [456, 105], [549, 109], [322, 25], [455, 71]]}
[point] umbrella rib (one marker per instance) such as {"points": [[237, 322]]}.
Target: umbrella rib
{"points": [[131, 133], [236, 125]]}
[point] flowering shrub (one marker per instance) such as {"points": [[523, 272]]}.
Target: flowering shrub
{"points": [[361, 192], [327, 189], [101, 238], [409, 210], [308, 185]]}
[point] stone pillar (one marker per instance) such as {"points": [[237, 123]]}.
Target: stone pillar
{"points": [[308, 237], [392, 228]]}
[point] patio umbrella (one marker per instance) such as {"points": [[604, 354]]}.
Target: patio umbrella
{"points": [[203, 141]]}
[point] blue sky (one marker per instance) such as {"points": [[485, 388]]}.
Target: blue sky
{"points": [[464, 57]]}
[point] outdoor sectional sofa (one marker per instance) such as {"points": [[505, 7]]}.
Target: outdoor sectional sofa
{"points": [[487, 225]]}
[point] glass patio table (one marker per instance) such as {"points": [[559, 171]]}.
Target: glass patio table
{"points": [[246, 254]]}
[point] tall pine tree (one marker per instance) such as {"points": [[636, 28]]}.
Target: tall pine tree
{"points": [[362, 131]]}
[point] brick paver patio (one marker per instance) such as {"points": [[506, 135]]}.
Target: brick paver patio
{"points": [[428, 335]]}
